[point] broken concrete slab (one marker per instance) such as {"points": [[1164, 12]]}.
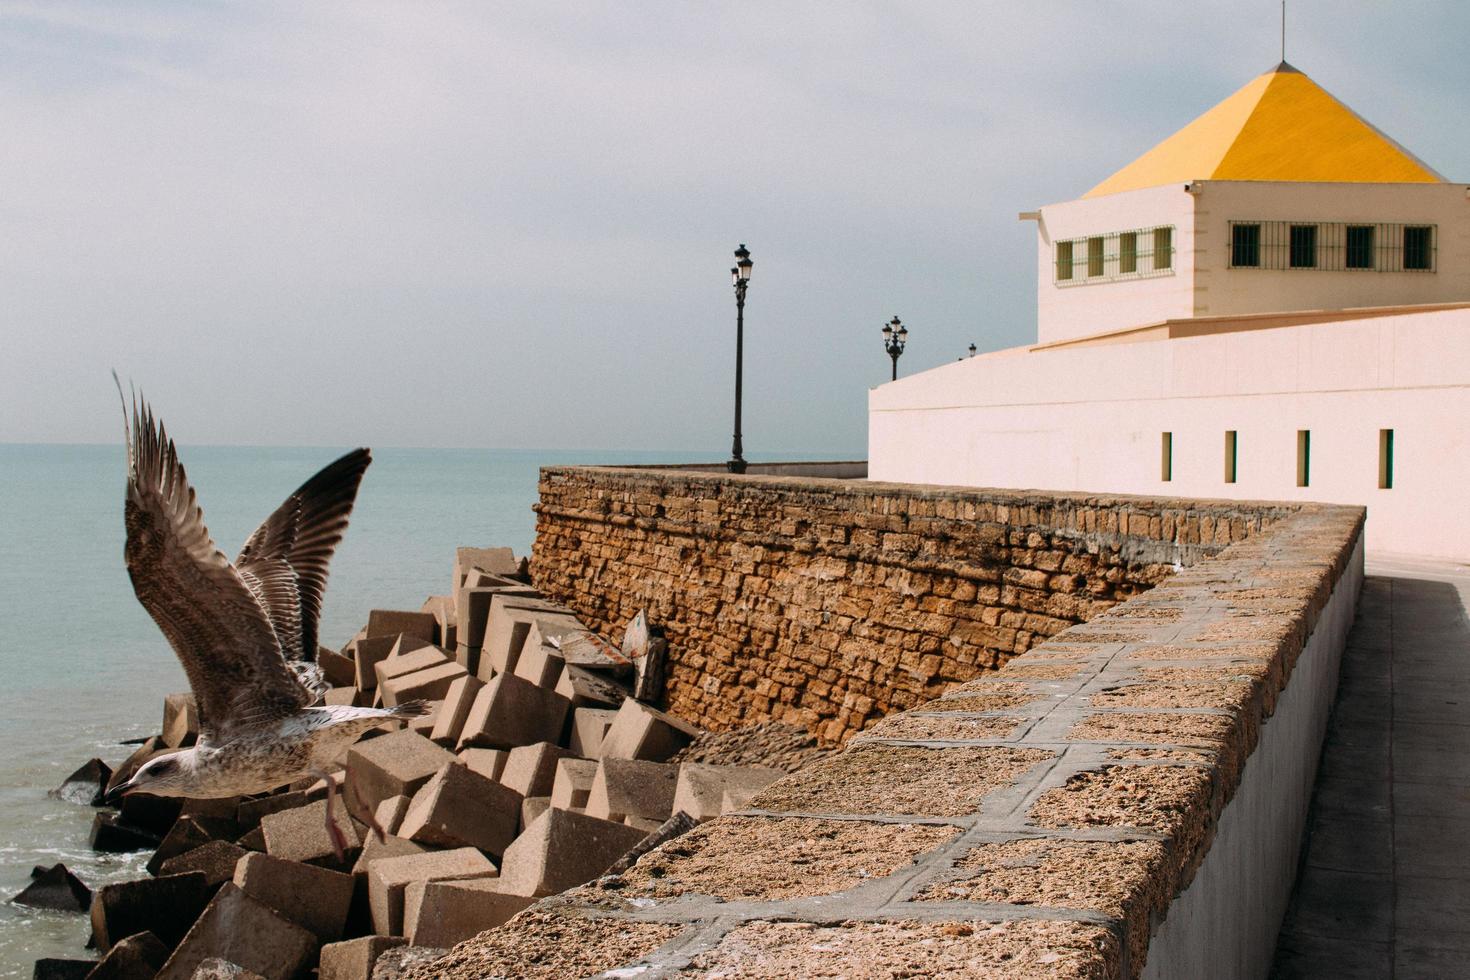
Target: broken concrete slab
{"points": [[573, 783], [632, 787], [301, 834], [585, 648], [56, 888], [389, 622], [86, 785], [641, 732], [562, 849], [701, 790], [215, 860], [460, 807], [489, 763], [444, 913], [136, 957], [180, 720], [311, 897], [354, 958], [450, 718], [587, 688], [430, 684], [241, 930], [388, 877], [510, 711], [396, 764], [165, 906], [530, 770], [589, 728]]}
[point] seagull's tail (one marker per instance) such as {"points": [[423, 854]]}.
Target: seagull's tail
{"points": [[411, 709]]}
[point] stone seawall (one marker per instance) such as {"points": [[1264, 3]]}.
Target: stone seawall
{"points": [[829, 603]]}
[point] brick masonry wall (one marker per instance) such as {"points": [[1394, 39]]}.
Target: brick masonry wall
{"points": [[830, 603]]}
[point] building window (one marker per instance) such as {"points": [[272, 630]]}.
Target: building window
{"points": [[1163, 248], [1245, 246], [1094, 257], [1359, 247], [1166, 457], [1303, 246], [1303, 457], [1127, 252], [1418, 247], [1064, 260], [1385, 459], [1230, 456]]}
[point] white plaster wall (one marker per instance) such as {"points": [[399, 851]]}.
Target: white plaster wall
{"points": [[1090, 419]]}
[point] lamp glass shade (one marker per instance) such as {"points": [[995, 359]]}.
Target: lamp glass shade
{"points": [[887, 330]]}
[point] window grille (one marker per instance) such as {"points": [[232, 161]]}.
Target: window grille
{"points": [[1139, 253], [1332, 246]]}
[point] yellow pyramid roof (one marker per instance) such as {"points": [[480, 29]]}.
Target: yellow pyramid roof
{"points": [[1279, 126]]}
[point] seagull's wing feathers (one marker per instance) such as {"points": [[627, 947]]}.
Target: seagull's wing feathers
{"points": [[217, 628], [285, 561]]}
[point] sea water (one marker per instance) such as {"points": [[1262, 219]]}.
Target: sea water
{"points": [[83, 667]]}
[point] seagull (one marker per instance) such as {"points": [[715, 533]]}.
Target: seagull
{"points": [[245, 632]]}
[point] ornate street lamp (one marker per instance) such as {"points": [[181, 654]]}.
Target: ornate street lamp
{"points": [[895, 336], [972, 350], [741, 275]]}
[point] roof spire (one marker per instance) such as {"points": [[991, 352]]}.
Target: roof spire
{"points": [[1283, 32]]}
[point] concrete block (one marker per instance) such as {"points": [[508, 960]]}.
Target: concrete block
{"points": [[458, 699], [339, 671], [86, 785], [643, 824], [541, 661], [249, 812], [137, 957], [562, 849], [301, 834], [252, 840], [573, 783], [424, 724], [458, 807], [510, 711], [641, 732], [589, 728], [180, 720], [585, 648], [489, 763], [152, 813], [591, 689], [311, 897], [530, 770], [444, 913], [111, 834], [187, 833], [349, 696], [631, 787], [216, 860], [531, 808], [55, 968], [428, 685], [403, 962], [394, 765], [55, 888], [240, 930], [389, 847], [441, 607], [507, 625], [367, 654], [495, 561], [354, 959], [166, 907], [389, 622], [215, 968], [388, 877], [389, 813], [398, 664], [472, 608], [701, 790]]}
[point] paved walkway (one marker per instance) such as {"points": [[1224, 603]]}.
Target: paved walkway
{"points": [[1384, 890]]}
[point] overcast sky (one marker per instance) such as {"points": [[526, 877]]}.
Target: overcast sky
{"points": [[510, 224]]}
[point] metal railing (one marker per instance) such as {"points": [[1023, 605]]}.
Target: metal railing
{"points": [[1333, 246], [1138, 253]]}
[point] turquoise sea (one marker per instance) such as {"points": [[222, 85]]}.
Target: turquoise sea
{"points": [[83, 666]]}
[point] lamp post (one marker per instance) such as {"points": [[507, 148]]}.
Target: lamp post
{"points": [[895, 336], [741, 276], [972, 350]]}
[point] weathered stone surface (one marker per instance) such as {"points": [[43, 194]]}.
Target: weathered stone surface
{"points": [[641, 732], [530, 770], [394, 765], [573, 783], [215, 860], [459, 807], [510, 711], [301, 834], [489, 763], [587, 688], [444, 913], [391, 622], [86, 785], [563, 848], [703, 791], [458, 699], [531, 808], [166, 907], [215, 968], [187, 833], [389, 846], [135, 957], [250, 812], [589, 728], [56, 888], [311, 897], [180, 720], [354, 959], [388, 877], [240, 930], [402, 961], [631, 787], [113, 835]]}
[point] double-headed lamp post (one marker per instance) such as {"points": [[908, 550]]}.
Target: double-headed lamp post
{"points": [[741, 275], [895, 336]]}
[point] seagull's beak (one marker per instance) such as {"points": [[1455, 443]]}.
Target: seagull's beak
{"points": [[114, 796]]}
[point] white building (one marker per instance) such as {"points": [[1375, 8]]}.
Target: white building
{"points": [[1273, 303]]}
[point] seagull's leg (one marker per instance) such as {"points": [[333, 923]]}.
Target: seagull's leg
{"points": [[356, 808], [339, 839]]}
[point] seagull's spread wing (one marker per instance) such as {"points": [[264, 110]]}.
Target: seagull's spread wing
{"points": [[215, 625], [285, 561]]}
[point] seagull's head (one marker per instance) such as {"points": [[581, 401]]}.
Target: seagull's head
{"points": [[165, 775]]}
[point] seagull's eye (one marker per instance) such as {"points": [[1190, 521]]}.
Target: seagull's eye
{"points": [[163, 768]]}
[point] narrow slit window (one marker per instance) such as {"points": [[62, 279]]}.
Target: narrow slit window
{"points": [[1064, 260], [1094, 257], [1385, 459], [1128, 252], [1163, 248], [1166, 457], [1418, 247], [1359, 253], [1230, 456], [1303, 457], [1304, 246]]}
